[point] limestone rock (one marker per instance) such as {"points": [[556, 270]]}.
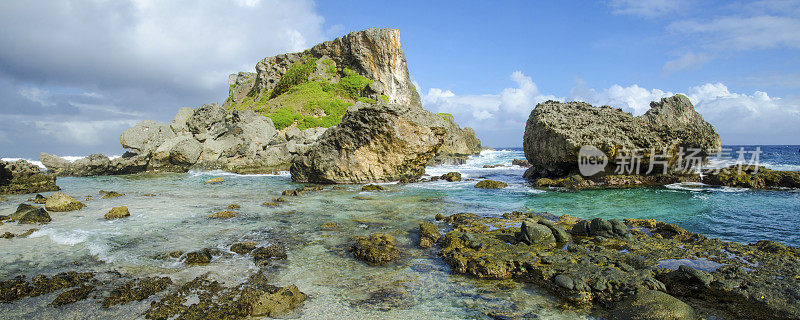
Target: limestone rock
{"points": [[178, 124], [59, 202], [146, 136], [20, 177], [30, 214], [373, 143], [182, 150], [372, 187], [428, 234], [117, 213], [536, 234], [555, 132]]}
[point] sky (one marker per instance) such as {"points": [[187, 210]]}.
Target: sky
{"points": [[75, 74]]}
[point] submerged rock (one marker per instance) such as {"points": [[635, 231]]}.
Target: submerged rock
{"points": [[20, 177], [243, 247], [117, 213], [59, 202], [752, 177], [110, 194], [372, 187], [73, 295], [136, 290], [428, 234], [30, 214], [376, 249], [491, 184], [555, 132], [215, 180], [200, 257], [653, 305], [224, 214], [19, 287]]}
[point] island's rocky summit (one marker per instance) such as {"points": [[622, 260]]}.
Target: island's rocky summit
{"points": [[20, 177], [357, 85], [555, 133]]}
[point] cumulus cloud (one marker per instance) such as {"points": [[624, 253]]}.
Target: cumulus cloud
{"points": [[739, 118], [111, 63], [647, 8]]}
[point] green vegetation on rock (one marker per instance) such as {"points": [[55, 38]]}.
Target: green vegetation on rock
{"points": [[309, 95]]}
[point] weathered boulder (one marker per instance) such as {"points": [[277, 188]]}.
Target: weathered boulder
{"points": [[59, 202], [54, 163], [146, 136], [555, 132], [30, 214], [182, 150], [752, 177], [373, 143], [533, 233], [117, 213], [20, 177], [178, 124], [93, 165]]}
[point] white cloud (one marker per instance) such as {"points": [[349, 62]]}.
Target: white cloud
{"points": [[633, 99], [83, 132], [689, 60], [743, 32], [37, 95], [647, 8]]}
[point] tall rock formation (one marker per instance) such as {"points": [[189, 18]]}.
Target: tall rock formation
{"points": [[555, 133]]}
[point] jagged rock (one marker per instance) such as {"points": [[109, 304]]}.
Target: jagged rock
{"points": [[200, 257], [278, 302], [145, 137], [20, 177], [54, 163], [491, 184], [30, 214], [39, 199], [273, 251], [117, 213], [224, 214], [136, 290], [555, 132], [373, 143], [243, 247], [521, 163], [59, 202]]}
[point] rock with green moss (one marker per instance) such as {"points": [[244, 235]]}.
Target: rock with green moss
{"points": [[491, 184], [376, 249], [452, 176], [372, 187], [117, 213], [753, 177], [653, 305]]}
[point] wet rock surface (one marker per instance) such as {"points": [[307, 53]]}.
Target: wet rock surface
{"points": [[20, 287], [752, 177], [60, 202], [136, 290], [376, 249], [451, 176], [117, 213], [30, 214], [428, 234], [616, 266], [20, 177]]}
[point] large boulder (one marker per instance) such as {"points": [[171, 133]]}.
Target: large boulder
{"points": [[182, 150], [146, 136], [94, 165], [178, 124], [23, 177], [30, 214], [373, 143], [555, 133], [207, 122], [653, 305], [59, 202]]}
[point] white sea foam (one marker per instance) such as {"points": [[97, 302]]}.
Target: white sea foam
{"points": [[699, 186], [199, 173], [39, 163]]}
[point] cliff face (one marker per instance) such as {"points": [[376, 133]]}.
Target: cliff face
{"points": [[556, 131]]}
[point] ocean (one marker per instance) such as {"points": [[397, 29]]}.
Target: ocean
{"points": [[419, 286]]}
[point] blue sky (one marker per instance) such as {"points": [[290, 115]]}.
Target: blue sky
{"points": [[75, 74]]}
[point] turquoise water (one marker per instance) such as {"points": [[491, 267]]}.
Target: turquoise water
{"points": [[419, 285]]}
